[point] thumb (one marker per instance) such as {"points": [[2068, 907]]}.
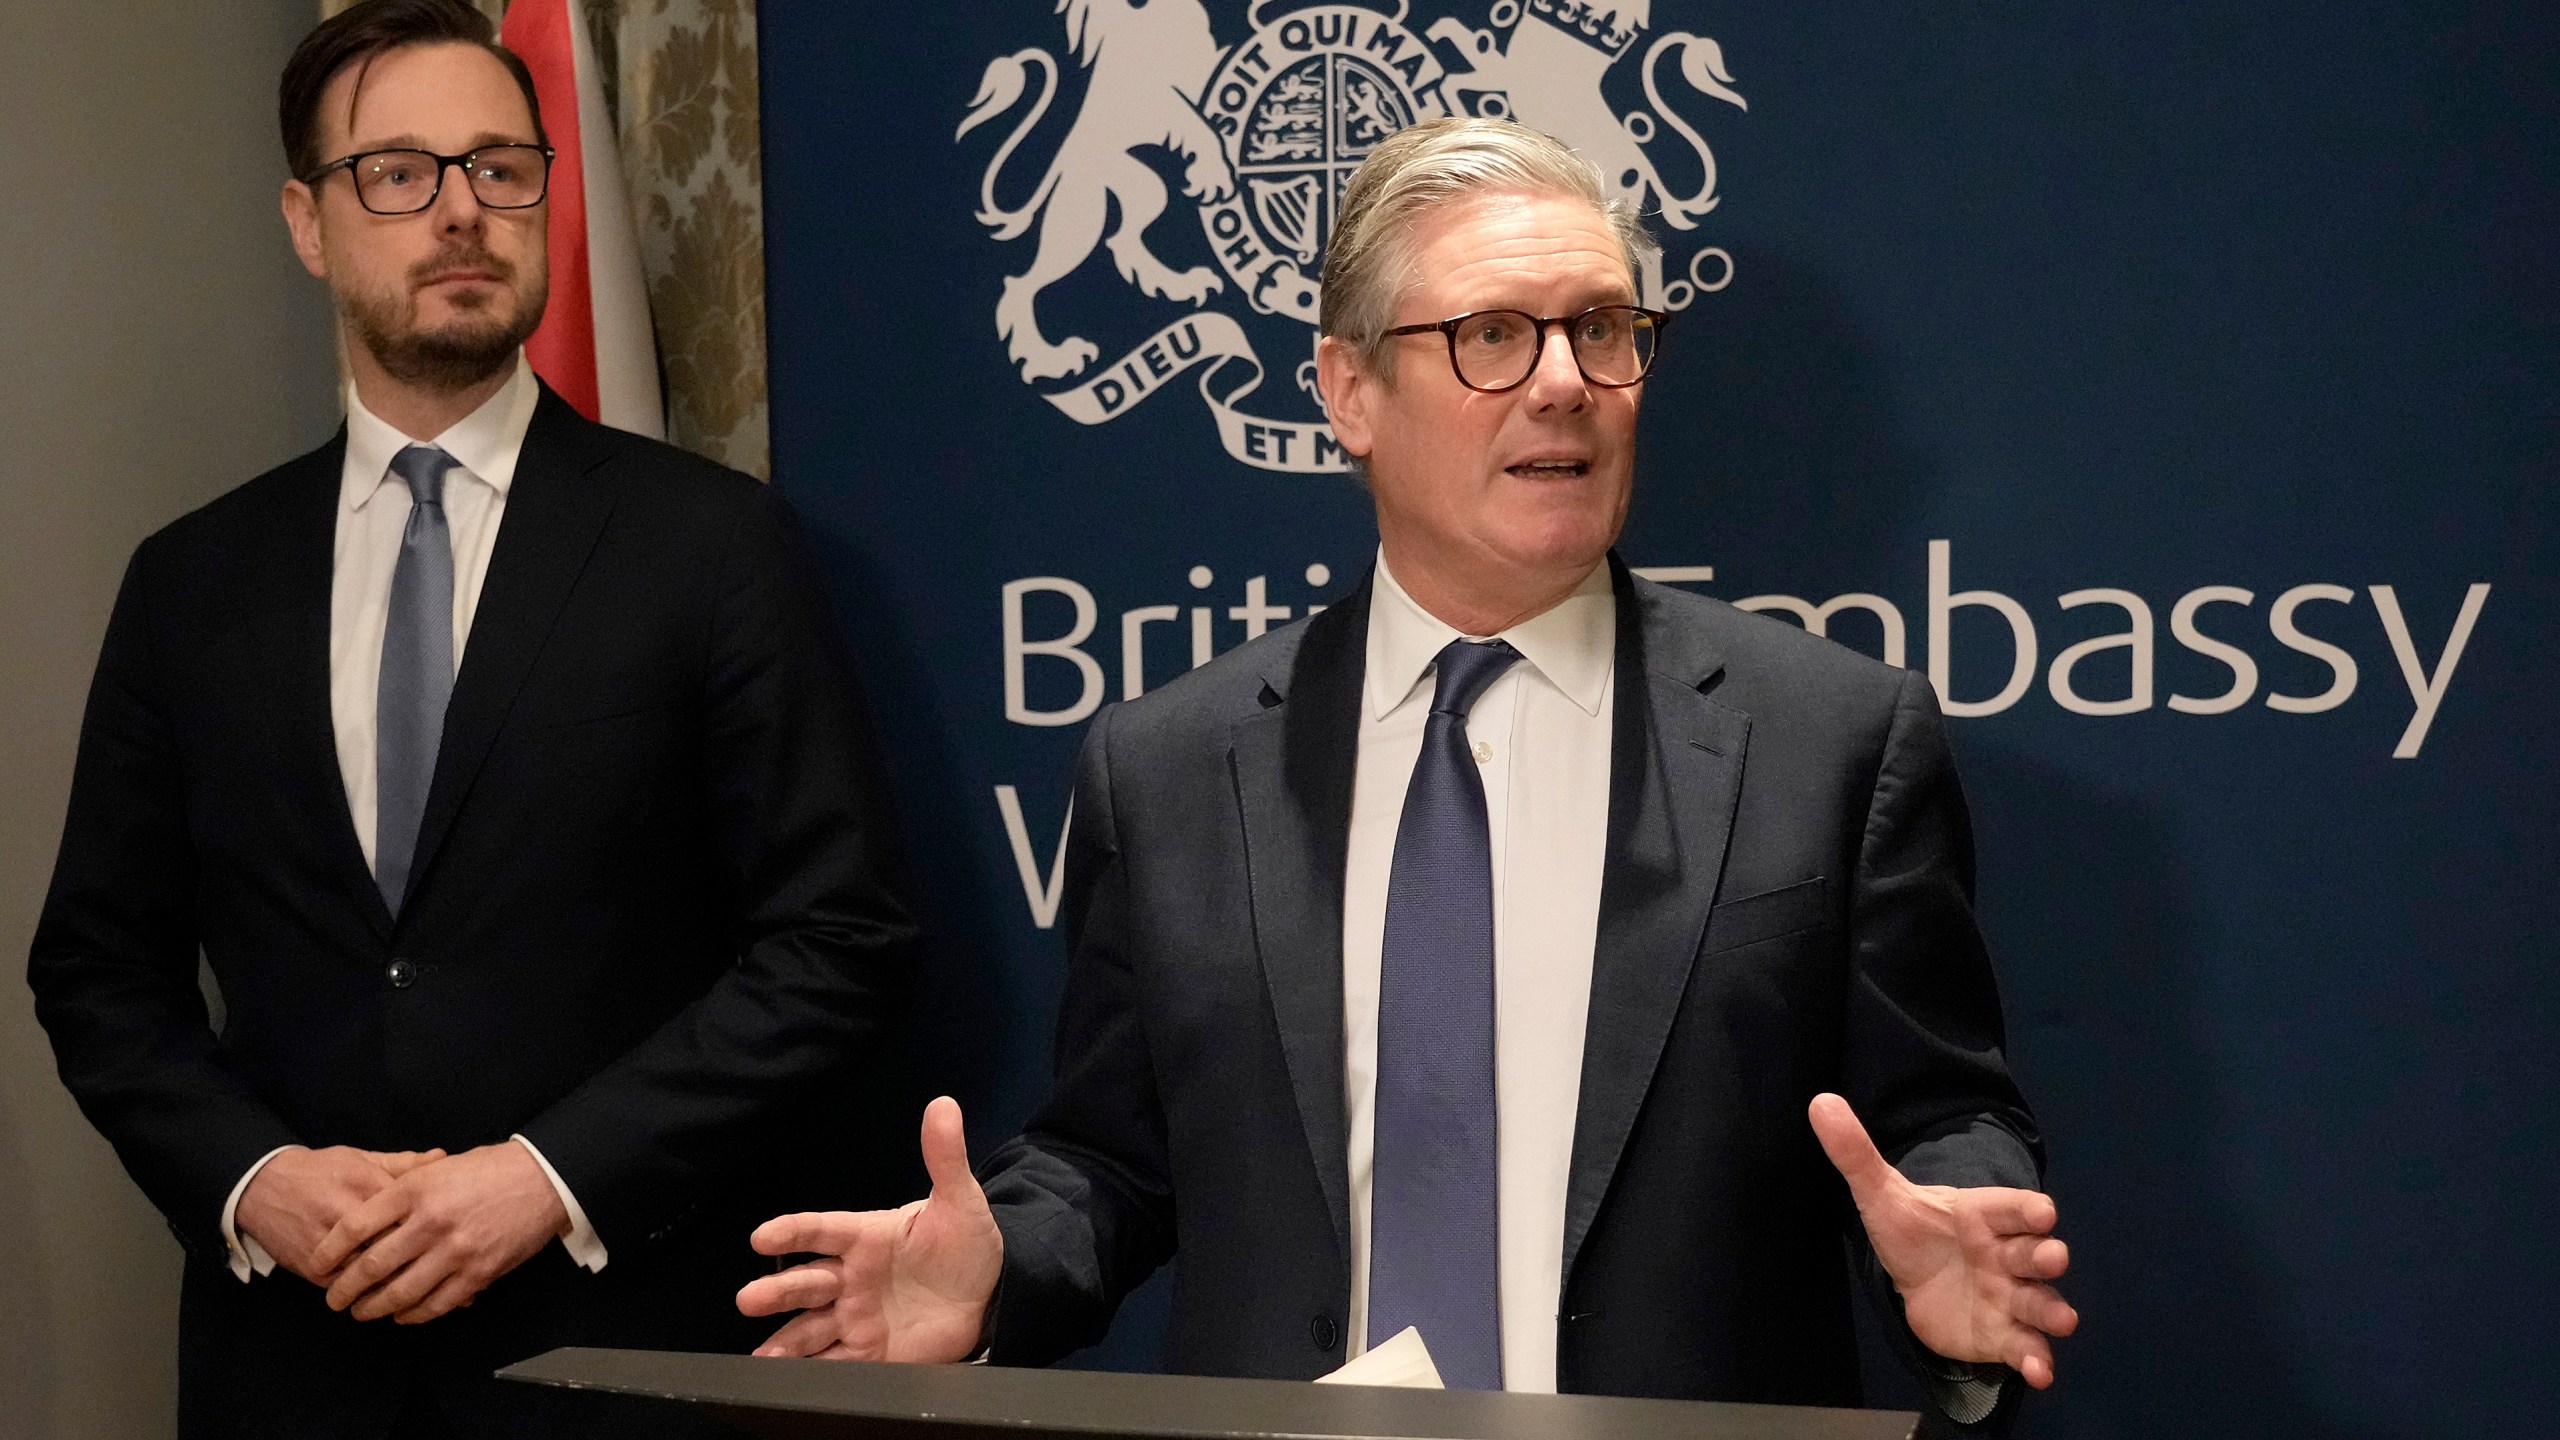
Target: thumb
{"points": [[1845, 1141], [946, 1155]]}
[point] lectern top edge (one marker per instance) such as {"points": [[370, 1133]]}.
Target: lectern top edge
{"points": [[817, 1398]]}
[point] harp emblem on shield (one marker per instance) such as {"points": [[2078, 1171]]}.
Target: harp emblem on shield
{"points": [[1287, 210]]}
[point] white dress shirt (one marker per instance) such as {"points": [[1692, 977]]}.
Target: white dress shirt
{"points": [[373, 510], [1541, 739]]}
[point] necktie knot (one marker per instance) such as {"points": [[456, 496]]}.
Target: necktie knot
{"points": [[423, 467], [1466, 668]]}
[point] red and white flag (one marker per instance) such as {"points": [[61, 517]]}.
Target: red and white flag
{"points": [[595, 345]]}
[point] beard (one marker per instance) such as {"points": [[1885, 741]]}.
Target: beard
{"points": [[466, 349]]}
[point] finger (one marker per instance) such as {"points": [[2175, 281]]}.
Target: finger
{"points": [[946, 1155], [815, 1232], [2027, 1353], [358, 1228], [806, 1334], [375, 1266], [1845, 1140], [457, 1291], [396, 1163], [2033, 1257], [360, 1270], [802, 1287], [2043, 1308], [361, 1182], [414, 1283], [2010, 1212]]}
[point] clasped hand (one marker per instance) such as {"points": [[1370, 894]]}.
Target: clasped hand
{"points": [[412, 1235], [1974, 1266]]}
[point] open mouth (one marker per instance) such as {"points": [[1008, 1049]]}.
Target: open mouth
{"points": [[1551, 469]]}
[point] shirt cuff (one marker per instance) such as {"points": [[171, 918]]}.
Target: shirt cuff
{"points": [[581, 1242], [1970, 1397], [248, 1257]]}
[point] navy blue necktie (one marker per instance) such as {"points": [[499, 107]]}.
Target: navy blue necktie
{"points": [[417, 672], [1434, 1237]]}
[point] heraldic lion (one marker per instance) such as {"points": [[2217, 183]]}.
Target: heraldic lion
{"points": [[1142, 54]]}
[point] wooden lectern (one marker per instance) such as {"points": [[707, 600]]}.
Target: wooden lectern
{"points": [[810, 1399]]}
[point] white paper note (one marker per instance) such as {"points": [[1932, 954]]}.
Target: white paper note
{"points": [[1403, 1360]]}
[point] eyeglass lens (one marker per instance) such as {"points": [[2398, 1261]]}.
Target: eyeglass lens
{"points": [[1497, 349], [400, 182]]}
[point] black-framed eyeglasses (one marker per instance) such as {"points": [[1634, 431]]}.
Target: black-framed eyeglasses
{"points": [[1497, 350], [404, 182]]}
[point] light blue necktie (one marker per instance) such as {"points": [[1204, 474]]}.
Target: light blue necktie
{"points": [[417, 672], [1434, 1236]]}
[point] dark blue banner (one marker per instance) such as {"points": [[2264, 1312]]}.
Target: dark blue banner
{"points": [[2175, 385]]}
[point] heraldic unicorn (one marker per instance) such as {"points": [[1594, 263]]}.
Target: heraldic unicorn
{"points": [[1266, 131]]}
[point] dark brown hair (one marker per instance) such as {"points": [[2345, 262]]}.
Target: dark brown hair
{"points": [[360, 34]]}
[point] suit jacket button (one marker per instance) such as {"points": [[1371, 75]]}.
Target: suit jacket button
{"points": [[1324, 1332], [402, 973]]}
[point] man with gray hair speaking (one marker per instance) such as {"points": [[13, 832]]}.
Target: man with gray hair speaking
{"points": [[1505, 951]]}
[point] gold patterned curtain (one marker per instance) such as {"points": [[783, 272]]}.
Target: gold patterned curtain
{"points": [[680, 79]]}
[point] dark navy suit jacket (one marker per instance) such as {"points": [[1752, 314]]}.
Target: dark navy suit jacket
{"points": [[1786, 909], [652, 911]]}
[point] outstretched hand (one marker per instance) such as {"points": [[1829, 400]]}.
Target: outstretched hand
{"points": [[906, 1284], [1973, 1265]]}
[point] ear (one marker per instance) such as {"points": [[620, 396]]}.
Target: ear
{"points": [[302, 218], [1350, 393]]}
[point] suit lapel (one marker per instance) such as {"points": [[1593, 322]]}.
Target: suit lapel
{"points": [[1675, 773], [555, 510], [1294, 763], [308, 571]]}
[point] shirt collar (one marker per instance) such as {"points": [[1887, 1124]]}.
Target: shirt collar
{"points": [[1574, 643], [485, 442]]}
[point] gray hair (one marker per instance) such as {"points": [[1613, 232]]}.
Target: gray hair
{"points": [[1368, 263]]}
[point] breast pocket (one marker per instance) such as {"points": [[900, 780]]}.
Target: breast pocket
{"points": [[1768, 915], [607, 711], [602, 775]]}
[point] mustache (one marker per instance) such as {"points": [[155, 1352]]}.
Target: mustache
{"points": [[469, 256]]}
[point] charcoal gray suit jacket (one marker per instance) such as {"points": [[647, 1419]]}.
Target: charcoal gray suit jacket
{"points": [[1786, 909]]}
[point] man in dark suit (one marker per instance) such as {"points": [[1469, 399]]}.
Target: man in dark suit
{"points": [[1472, 956], [510, 776]]}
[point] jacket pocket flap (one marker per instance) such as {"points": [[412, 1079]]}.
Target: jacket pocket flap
{"points": [[1769, 914]]}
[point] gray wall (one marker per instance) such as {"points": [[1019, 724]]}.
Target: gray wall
{"points": [[158, 345]]}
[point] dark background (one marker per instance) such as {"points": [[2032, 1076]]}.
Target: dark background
{"points": [[2147, 296]]}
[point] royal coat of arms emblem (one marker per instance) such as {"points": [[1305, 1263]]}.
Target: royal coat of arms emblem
{"points": [[1263, 134]]}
